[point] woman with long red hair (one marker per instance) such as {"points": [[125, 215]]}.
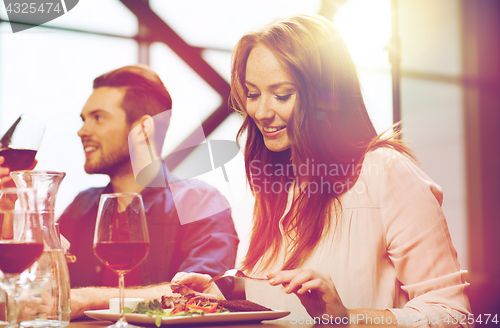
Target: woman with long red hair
{"points": [[345, 224]]}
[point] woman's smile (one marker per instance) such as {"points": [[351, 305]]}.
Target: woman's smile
{"points": [[273, 132]]}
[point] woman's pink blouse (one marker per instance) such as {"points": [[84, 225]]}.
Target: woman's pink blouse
{"points": [[390, 249]]}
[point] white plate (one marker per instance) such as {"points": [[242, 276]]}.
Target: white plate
{"points": [[144, 319]]}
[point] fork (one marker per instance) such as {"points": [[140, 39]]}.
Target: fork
{"points": [[233, 273]]}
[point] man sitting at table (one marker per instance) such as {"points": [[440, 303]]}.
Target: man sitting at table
{"points": [[119, 111]]}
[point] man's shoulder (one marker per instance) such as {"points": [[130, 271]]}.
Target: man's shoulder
{"points": [[185, 188], [195, 200], [89, 194], [82, 203]]}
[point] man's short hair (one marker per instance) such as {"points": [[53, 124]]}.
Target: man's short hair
{"points": [[145, 93]]}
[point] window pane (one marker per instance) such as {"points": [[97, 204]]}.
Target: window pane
{"points": [[376, 87], [103, 16], [193, 100], [220, 61], [49, 74], [365, 26], [220, 23]]}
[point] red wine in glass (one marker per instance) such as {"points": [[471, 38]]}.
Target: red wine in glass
{"points": [[121, 238], [20, 143], [121, 256], [21, 243], [17, 159], [15, 257]]}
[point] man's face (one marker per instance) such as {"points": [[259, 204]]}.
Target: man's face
{"points": [[104, 132]]}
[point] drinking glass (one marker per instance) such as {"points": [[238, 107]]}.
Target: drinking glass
{"points": [[21, 242], [121, 239], [21, 141]]}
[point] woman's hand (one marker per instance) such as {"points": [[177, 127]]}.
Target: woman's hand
{"points": [[199, 283], [316, 291]]}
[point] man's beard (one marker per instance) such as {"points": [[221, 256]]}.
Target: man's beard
{"points": [[113, 163]]}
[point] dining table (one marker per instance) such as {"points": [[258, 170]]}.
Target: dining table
{"points": [[86, 322]]}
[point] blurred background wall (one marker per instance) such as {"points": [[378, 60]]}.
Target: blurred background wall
{"points": [[449, 92]]}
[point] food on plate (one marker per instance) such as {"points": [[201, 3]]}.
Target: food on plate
{"points": [[242, 306], [191, 305], [180, 289]]}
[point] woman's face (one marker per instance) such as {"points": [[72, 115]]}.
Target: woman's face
{"points": [[271, 97]]}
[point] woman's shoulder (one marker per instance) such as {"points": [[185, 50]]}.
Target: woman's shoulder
{"points": [[389, 169], [385, 155], [384, 159]]}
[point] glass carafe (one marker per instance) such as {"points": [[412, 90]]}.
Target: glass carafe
{"points": [[46, 296]]}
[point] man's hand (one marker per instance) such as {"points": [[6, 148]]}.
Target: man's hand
{"points": [[97, 298], [3, 170], [5, 179], [90, 298], [79, 303]]}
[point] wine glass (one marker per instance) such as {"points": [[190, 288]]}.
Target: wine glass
{"points": [[121, 239], [21, 242], [21, 141]]}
